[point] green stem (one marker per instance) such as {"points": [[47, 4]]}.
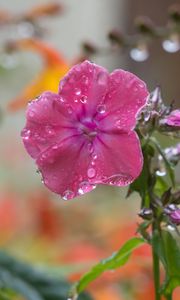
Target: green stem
{"points": [[156, 271]]}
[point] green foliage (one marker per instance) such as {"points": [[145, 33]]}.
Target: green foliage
{"points": [[168, 251], [31, 283], [116, 260]]}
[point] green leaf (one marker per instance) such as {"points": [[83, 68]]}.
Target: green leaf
{"points": [[117, 259], [140, 185], [169, 253], [160, 186], [30, 282]]}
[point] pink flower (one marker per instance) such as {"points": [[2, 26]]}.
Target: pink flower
{"points": [[83, 135], [173, 119]]}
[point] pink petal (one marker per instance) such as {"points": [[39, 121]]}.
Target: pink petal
{"points": [[47, 124], [126, 96], [118, 159], [64, 168], [84, 87]]}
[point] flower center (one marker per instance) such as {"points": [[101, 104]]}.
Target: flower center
{"points": [[88, 128]]}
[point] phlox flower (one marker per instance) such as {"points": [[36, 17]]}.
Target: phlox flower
{"points": [[84, 135]]}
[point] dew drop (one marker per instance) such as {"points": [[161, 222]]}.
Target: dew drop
{"points": [[78, 91], [69, 109], [90, 147], [67, 195], [83, 99], [94, 156], [26, 134], [61, 99], [85, 187], [139, 54], [50, 131], [119, 179], [102, 78], [55, 147], [85, 79], [101, 108], [91, 172], [171, 46]]}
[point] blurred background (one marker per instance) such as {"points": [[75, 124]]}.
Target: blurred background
{"points": [[39, 41]]}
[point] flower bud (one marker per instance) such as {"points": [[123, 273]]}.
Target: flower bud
{"points": [[146, 213], [175, 216], [174, 13], [116, 37], [89, 48], [144, 25]]}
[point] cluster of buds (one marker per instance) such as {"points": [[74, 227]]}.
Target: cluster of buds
{"points": [[167, 207], [147, 32], [158, 116]]}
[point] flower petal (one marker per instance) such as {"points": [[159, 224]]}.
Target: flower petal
{"points": [[64, 168], [126, 96], [84, 86], [47, 124], [118, 159]]}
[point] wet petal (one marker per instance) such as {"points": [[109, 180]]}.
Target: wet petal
{"points": [[47, 124], [84, 87], [64, 168], [126, 96], [118, 159]]}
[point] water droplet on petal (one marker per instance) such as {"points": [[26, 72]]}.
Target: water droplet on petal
{"points": [[85, 79], [101, 108], [50, 131], [91, 172], [102, 78], [61, 99], [85, 187], [119, 179], [67, 195], [26, 134], [55, 147], [90, 147], [77, 91], [139, 54], [83, 99], [94, 156], [69, 109]]}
